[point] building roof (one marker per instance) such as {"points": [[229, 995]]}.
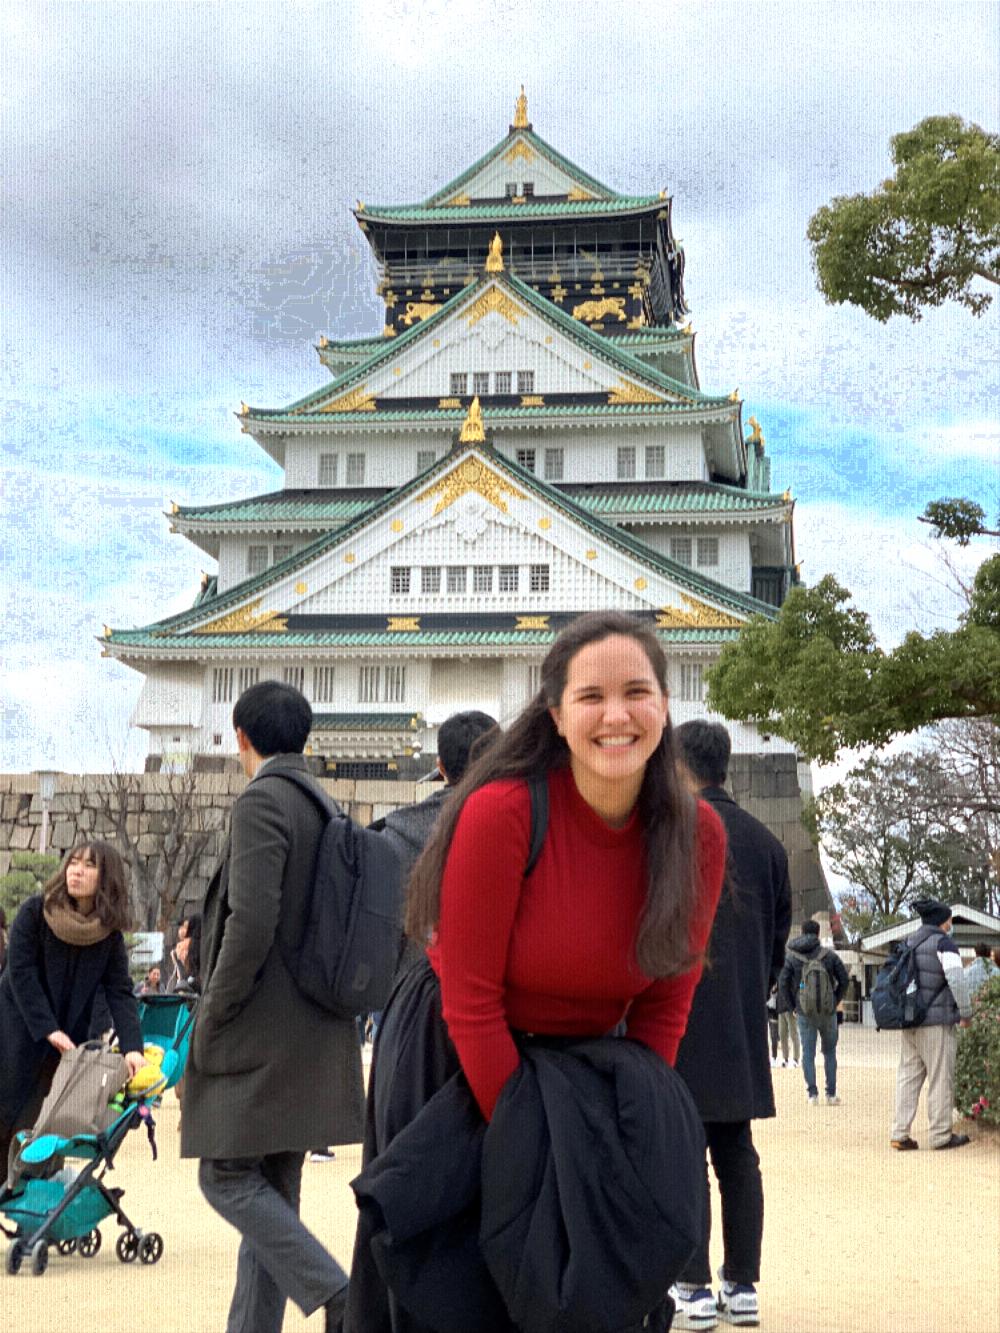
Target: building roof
{"points": [[539, 145], [366, 721], [505, 210], [970, 923]]}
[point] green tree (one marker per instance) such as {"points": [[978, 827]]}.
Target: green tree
{"points": [[28, 872], [922, 237]]}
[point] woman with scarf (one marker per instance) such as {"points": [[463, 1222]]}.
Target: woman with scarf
{"points": [[66, 946]]}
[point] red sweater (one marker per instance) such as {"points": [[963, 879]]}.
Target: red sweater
{"points": [[555, 953]]}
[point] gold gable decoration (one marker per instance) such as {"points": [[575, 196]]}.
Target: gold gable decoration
{"points": [[459, 201], [246, 620], [472, 475], [627, 392], [357, 400], [520, 121], [473, 431], [520, 149], [403, 625], [577, 196], [532, 622], [699, 615], [494, 301], [494, 260]]}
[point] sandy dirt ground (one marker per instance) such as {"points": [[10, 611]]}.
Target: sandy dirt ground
{"points": [[857, 1237]]}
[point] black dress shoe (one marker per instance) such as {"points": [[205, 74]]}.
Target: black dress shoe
{"points": [[905, 1144], [956, 1141]]}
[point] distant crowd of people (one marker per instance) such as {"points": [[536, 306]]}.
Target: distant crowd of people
{"points": [[567, 881]]}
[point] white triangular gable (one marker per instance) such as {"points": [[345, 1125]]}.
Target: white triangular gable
{"points": [[518, 163], [494, 329], [474, 514]]}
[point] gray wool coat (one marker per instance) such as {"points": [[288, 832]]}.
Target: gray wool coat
{"points": [[268, 1071]]}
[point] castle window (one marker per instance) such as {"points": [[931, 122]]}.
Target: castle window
{"points": [[355, 469], [456, 578], [680, 550], [323, 678], [502, 381], [369, 679], [256, 559], [708, 550], [528, 189], [526, 381], [511, 189], [216, 737], [554, 464], [395, 684], [482, 578], [626, 462], [296, 677], [425, 459], [328, 469], [509, 578], [281, 553], [526, 459], [248, 676], [539, 581], [656, 461], [692, 684], [481, 382], [399, 579], [222, 685], [459, 382], [430, 578]]}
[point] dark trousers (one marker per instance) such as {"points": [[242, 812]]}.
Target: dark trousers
{"points": [[737, 1169], [279, 1258]]}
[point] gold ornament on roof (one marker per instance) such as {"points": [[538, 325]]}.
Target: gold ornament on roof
{"points": [[472, 474], [246, 620], [756, 435], [532, 622], [106, 631], [699, 615], [734, 397], [403, 625], [687, 328], [244, 410], [324, 341], [576, 195], [521, 111], [589, 311], [357, 400], [520, 149], [494, 260], [459, 201], [417, 310], [473, 431], [627, 392], [494, 301]]}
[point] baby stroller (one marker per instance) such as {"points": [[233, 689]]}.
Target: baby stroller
{"points": [[85, 1118]]}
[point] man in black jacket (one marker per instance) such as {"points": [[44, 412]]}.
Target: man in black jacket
{"points": [[723, 1057], [797, 977]]}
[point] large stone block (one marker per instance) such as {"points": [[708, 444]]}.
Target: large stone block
{"points": [[5, 859], [62, 835], [148, 845], [380, 811], [20, 838], [361, 812], [774, 811]]}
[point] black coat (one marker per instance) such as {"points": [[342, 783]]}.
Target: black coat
{"points": [[723, 1057], [48, 986], [791, 973], [572, 1211]]}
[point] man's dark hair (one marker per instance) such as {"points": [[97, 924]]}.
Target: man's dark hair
{"points": [[810, 927], [457, 737], [275, 718], [982, 949], [704, 749]]}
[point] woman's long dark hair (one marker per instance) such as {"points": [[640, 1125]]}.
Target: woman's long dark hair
{"points": [[667, 810], [111, 901]]}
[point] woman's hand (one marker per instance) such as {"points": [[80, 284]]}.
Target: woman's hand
{"points": [[135, 1061], [60, 1041]]}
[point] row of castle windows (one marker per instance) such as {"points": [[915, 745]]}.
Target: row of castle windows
{"points": [[553, 463], [456, 578], [377, 683], [503, 381]]}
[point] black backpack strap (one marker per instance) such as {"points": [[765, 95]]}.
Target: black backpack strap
{"points": [[538, 788], [311, 788]]}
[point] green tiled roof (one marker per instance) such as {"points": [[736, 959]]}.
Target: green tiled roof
{"points": [[540, 146], [605, 348], [713, 499], [506, 211], [279, 416], [366, 721], [277, 506], [194, 643]]}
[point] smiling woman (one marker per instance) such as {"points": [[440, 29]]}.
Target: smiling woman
{"points": [[604, 935]]}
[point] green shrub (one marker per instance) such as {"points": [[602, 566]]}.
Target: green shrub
{"points": [[977, 1068], [28, 872]]}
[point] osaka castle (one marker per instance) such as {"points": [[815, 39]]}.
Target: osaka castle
{"points": [[524, 439]]}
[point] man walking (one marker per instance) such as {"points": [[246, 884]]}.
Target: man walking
{"points": [[981, 969], [269, 1072], [723, 1057], [812, 983], [928, 1051]]}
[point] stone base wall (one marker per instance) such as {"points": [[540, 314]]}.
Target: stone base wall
{"points": [[765, 785]]}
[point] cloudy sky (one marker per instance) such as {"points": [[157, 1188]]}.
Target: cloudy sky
{"points": [[175, 231]]}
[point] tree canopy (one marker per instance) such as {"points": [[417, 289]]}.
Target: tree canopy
{"points": [[926, 233]]}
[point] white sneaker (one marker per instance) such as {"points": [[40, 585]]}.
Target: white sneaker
{"points": [[774, 1063], [832, 1101], [326, 1155], [694, 1307], [738, 1303], [813, 1099], [793, 1064]]}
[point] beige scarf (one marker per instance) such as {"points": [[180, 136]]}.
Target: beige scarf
{"points": [[72, 927]]}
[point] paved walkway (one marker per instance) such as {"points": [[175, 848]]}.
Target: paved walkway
{"points": [[858, 1238]]}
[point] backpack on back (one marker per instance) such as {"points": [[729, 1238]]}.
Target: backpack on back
{"points": [[346, 959], [896, 999], [816, 997]]}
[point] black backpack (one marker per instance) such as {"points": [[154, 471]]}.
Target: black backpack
{"points": [[345, 961], [896, 1000]]}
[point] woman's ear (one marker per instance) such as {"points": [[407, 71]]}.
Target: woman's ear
{"points": [[554, 715]]}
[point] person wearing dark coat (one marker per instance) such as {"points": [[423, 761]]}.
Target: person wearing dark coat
{"points": [[799, 952], [66, 956], [269, 1073], [723, 1055]]}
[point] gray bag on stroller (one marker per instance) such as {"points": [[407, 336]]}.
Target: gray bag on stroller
{"points": [[85, 1080]]}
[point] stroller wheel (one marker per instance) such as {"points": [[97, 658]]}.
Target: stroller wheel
{"points": [[127, 1247], [15, 1257], [39, 1257], [66, 1246], [151, 1248], [89, 1244]]}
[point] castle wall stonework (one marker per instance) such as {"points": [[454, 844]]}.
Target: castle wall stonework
{"points": [[765, 785]]}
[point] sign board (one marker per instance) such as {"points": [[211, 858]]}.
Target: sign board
{"points": [[147, 948]]}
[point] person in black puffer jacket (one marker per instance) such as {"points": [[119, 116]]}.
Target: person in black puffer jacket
{"points": [[800, 952]]}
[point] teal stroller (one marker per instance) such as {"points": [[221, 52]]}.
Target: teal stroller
{"points": [[49, 1200]]}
